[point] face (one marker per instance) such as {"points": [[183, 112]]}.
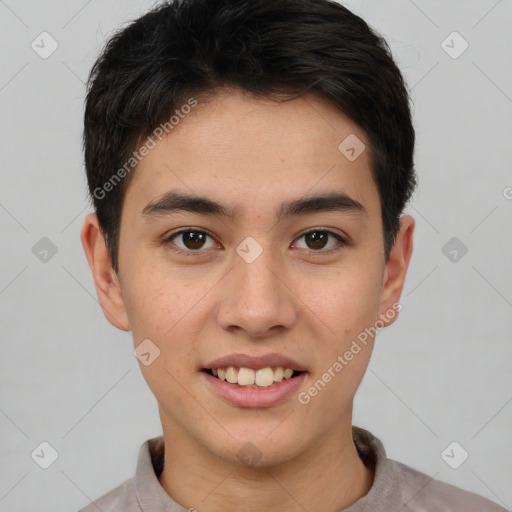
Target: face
{"points": [[286, 269]]}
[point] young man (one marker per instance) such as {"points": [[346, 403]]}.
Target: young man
{"points": [[249, 162]]}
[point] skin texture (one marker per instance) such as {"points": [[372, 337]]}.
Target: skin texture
{"points": [[294, 299]]}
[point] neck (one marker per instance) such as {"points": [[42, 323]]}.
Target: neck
{"points": [[328, 476]]}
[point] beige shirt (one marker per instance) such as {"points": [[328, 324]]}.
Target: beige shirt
{"points": [[396, 487]]}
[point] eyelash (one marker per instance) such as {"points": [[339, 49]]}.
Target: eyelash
{"points": [[341, 242]]}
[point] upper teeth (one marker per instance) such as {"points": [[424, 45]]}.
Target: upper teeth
{"points": [[263, 377]]}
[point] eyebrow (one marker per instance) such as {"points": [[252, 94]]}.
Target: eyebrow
{"points": [[174, 201]]}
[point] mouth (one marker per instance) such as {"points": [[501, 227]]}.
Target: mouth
{"points": [[244, 377], [259, 387]]}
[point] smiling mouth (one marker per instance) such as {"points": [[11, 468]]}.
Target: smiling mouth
{"points": [[253, 378]]}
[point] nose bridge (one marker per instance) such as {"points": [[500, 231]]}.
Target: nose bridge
{"points": [[258, 281], [256, 298], [258, 286]]}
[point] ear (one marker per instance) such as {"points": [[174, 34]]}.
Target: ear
{"points": [[106, 281], [396, 270]]}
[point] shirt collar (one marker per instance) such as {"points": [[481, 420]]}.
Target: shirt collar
{"points": [[153, 498], [381, 495], [150, 494]]}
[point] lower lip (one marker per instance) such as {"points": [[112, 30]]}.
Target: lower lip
{"points": [[254, 397]]}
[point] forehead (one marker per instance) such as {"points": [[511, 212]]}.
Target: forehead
{"points": [[249, 150]]}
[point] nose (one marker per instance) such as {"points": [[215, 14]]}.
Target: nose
{"points": [[257, 298]]}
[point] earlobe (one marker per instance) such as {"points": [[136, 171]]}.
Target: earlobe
{"points": [[396, 270], [106, 281]]}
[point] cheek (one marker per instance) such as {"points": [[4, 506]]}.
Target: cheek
{"points": [[169, 311], [348, 310], [160, 311], [346, 302], [154, 304]]}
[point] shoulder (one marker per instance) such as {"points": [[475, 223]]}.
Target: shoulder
{"points": [[422, 493], [397, 486], [121, 499]]}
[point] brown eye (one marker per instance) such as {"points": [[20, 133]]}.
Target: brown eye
{"points": [[190, 240], [193, 239], [318, 239]]}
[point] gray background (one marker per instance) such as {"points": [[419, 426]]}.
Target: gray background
{"points": [[440, 374]]}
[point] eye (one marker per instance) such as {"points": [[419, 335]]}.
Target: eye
{"points": [[318, 238], [192, 240]]}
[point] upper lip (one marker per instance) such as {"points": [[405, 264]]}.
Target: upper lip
{"points": [[254, 362]]}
